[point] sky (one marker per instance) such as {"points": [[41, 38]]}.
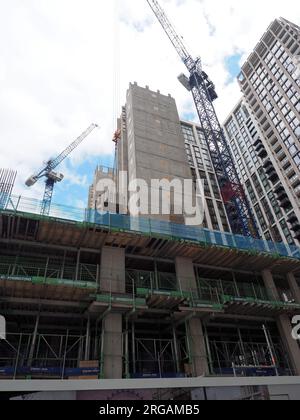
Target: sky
{"points": [[68, 63]]}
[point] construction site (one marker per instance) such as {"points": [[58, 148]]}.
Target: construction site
{"points": [[100, 301], [91, 296]]}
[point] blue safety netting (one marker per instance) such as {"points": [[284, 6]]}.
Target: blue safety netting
{"points": [[154, 227]]}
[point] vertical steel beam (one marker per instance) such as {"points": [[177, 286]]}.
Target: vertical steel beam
{"points": [[88, 339], [176, 349], [133, 347], [33, 342], [78, 265]]}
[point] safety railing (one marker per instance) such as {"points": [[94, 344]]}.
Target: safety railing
{"points": [[151, 281], [236, 289], [46, 355], [36, 268], [151, 227]]}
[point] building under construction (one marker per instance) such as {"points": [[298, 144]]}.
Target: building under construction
{"points": [[106, 302], [90, 296], [101, 301]]}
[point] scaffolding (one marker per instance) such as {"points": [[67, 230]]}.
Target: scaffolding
{"points": [[256, 352], [37, 355], [81, 312], [7, 182]]}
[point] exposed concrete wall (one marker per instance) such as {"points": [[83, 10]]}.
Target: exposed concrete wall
{"points": [[112, 277], [156, 148], [112, 351]]}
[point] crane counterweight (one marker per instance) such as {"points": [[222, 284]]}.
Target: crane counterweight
{"points": [[31, 181]]}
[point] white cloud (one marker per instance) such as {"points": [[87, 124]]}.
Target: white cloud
{"points": [[58, 72]]}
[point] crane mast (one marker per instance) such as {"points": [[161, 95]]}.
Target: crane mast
{"points": [[237, 206], [53, 177]]}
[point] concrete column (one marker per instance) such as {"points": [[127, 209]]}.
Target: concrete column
{"points": [[112, 271], [112, 280], [186, 274], [186, 277], [294, 287], [285, 328], [198, 348], [284, 324], [112, 349], [270, 285]]}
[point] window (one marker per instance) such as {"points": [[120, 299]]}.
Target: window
{"points": [[188, 134], [257, 185], [287, 232], [213, 215], [260, 217]]}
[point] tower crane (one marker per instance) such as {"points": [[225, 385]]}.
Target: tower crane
{"points": [[53, 177], [204, 93]]}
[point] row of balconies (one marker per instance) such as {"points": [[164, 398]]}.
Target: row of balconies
{"points": [[270, 171], [294, 225], [282, 197], [260, 149]]}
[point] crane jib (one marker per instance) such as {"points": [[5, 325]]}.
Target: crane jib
{"points": [[51, 177]]}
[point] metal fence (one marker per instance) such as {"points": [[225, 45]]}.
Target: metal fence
{"points": [[155, 228]]}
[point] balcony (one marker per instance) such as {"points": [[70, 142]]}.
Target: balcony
{"points": [[270, 172], [260, 149], [280, 153], [295, 227], [292, 219], [295, 181], [285, 163], [297, 191], [282, 197], [289, 171], [272, 176]]}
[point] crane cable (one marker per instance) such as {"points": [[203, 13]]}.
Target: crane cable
{"points": [[116, 70]]}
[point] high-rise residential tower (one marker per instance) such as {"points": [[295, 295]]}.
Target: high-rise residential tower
{"points": [[270, 81], [246, 143]]}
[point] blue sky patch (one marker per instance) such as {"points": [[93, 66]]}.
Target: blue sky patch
{"points": [[76, 193], [232, 64]]}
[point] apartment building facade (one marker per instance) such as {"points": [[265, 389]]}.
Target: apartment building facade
{"points": [[245, 140], [270, 81], [202, 168]]}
